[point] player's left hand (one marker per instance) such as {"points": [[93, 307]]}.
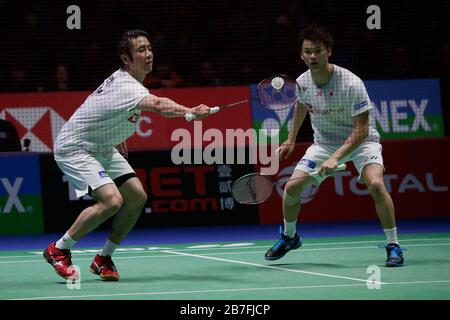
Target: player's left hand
{"points": [[328, 167], [123, 149]]}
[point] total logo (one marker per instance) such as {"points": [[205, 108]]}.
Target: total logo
{"points": [[345, 181], [40, 125]]}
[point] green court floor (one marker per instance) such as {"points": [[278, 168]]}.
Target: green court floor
{"points": [[324, 268]]}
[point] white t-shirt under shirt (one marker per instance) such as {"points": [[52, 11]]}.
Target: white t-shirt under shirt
{"points": [[332, 106], [106, 118]]}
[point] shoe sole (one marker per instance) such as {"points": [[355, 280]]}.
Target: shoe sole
{"points": [[279, 257], [393, 265], [104, 278]]}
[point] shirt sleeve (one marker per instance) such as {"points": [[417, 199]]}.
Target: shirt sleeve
{"points": [[129, 94], [359, 98]]}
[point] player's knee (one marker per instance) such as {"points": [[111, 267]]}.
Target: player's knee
{"points": [[111, 205], [292, 191], [294, 187], [375, 187]]}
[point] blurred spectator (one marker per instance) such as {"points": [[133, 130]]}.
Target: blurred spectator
{"points": [[400, 62], [208, 75], [61, 79], [163, 76], [19, 80], [247, 74], [441, 69]]}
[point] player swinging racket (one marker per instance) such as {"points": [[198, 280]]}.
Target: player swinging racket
{"points": [[344, 130], [85, 151]]}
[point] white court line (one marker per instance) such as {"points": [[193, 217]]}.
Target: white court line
{"points": [[234, 247], [231, 253], [270, 267], [223, 290]]}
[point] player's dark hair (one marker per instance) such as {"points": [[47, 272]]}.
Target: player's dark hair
{"points": [[125, 42], [316, 33]]}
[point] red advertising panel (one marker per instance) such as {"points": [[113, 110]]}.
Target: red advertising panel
{"points": [[416, 176], [40, 116]]}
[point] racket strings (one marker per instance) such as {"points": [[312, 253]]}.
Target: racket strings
{"points": [[252, 189], [277, 98]]}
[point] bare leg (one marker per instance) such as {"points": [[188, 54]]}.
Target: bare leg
{"points": [[134, 198], [108, 203], [373, 177], [291, 198]]}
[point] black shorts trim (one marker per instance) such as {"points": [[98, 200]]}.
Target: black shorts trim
{"points": [[118, 181], [122, 179]]}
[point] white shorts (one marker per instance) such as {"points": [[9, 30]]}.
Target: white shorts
{"points": [[366, 153], [86, 170]]}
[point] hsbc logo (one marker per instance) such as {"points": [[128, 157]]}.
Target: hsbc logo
{"points": [[39, 124], [13, 195]]}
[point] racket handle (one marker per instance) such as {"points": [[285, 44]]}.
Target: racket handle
{"points": [[315, 174], [190, 116]]}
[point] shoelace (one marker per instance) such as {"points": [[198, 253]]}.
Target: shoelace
{"points": [[64, 256], [384, 246]]}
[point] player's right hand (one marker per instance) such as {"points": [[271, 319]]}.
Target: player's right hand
{"points": [[285, 150], [201, 111]]}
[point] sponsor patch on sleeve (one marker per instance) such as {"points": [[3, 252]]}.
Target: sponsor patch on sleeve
{"points": [[360, 105]]}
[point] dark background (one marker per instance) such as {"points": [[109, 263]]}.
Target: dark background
{"points": [[205, 43]]}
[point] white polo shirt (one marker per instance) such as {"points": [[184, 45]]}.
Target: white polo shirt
{"points": [[332, 106]]}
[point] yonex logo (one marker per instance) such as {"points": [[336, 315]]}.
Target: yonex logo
{"points": [[13, 192]]}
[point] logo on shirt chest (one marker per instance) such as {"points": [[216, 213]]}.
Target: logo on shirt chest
{"points": [[134, 117], [324, 111]]}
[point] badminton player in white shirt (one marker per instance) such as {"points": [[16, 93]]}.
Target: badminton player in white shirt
{"points": [[344, 130], [86, 152]]}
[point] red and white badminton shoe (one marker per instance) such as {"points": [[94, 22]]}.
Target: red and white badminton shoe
{"points": [[61, 260], [105, 268]]}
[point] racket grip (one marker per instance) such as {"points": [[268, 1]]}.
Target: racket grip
{"points": [[341, 167], [190, 116]]}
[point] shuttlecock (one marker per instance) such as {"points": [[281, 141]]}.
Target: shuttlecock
{"points": [[277, 83]]}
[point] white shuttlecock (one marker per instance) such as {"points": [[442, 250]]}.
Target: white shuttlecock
{"points": [[277, 83]]}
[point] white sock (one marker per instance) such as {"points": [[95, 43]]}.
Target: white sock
{"points": [[66, 242], [108, 248], [391, 235], [290, 228]]}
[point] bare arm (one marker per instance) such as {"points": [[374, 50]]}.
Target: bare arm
{"points": [[359, 133], [299, 116], [170, 108], [287, 147]]}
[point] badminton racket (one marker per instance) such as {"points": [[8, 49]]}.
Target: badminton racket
{"points": [[276, 92], [256, 188]]}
